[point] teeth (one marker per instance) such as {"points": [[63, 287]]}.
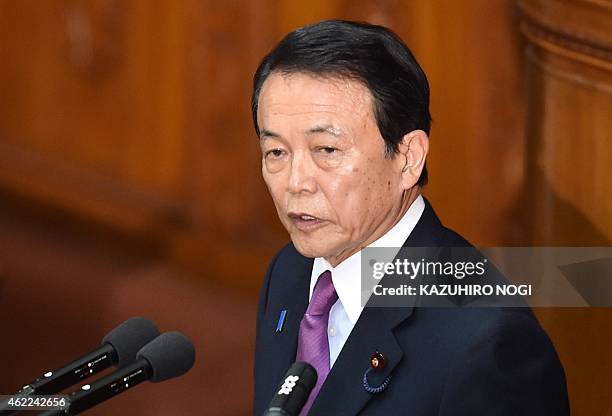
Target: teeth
{"points": [[307, 217]]}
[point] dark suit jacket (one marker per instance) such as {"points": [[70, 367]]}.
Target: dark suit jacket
{"points": [[442, 361]]}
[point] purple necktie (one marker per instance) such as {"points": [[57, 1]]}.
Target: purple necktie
{"points": [[313, 346]]}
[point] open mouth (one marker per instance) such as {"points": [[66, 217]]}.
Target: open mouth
{"points": [[305, 222]]}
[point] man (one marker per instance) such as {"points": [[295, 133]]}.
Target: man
{"points": [[342, 114]]}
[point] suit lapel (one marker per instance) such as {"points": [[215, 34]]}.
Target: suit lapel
{"points": [[372, 333], [290, 295], [343, 392]]}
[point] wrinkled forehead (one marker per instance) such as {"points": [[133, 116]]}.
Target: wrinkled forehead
{"points": [[293, 95]]}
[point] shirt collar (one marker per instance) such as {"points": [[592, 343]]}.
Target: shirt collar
{"points": [[346, 276]]}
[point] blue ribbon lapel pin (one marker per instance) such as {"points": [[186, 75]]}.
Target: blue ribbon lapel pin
{"points": [[280, 325]]}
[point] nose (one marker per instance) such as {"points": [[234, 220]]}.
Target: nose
{"points": [[301, 175]]}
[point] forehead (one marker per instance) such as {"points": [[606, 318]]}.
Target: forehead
{"points": [[298, 94]]}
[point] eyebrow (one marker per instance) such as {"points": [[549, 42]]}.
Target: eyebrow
{"points": [[263, 133], [326, 128]]}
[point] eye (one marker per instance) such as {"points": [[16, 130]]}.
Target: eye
{"points": [[274, 153], [328, 150]]}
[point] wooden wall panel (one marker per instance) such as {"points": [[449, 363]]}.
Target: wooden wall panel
{"points": [[231, 219], [472, 54], [567, 193], [91, 113], [570, 125]]}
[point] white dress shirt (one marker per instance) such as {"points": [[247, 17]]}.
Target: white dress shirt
{"points": [[346, 277]]}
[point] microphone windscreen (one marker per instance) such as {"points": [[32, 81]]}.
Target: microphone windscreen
{"points": [[170, 355], [129, 337], [293, 390]]}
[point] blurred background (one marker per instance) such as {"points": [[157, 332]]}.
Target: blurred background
{"points": [[130, 172]]}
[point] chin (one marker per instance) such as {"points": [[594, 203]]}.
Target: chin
{"points": [[308, 248]]}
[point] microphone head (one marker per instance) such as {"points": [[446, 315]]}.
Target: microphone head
{"points": [[170, 355], [293, 390], [129, 337]]}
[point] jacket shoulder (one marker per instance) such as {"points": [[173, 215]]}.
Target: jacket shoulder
{"points": [[451, 238]]}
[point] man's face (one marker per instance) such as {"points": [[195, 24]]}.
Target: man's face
{"points": [[324, 163]]}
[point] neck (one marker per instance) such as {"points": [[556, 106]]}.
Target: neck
{"points": [[390, 221]]}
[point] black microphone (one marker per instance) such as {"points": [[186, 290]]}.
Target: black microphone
{"points": [[118, 347], [169, 355], [293, 391]]}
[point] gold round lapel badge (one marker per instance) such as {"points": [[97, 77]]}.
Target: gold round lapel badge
{"points": [[377, 361]]}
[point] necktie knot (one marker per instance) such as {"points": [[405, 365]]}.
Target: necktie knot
{"points": [[323, 296]]}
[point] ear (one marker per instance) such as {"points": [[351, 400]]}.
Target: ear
{"points": [[413, 151]]}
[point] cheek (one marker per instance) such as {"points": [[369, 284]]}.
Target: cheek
{"points": [[360, 197], [350, 196], [275, 187]]}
